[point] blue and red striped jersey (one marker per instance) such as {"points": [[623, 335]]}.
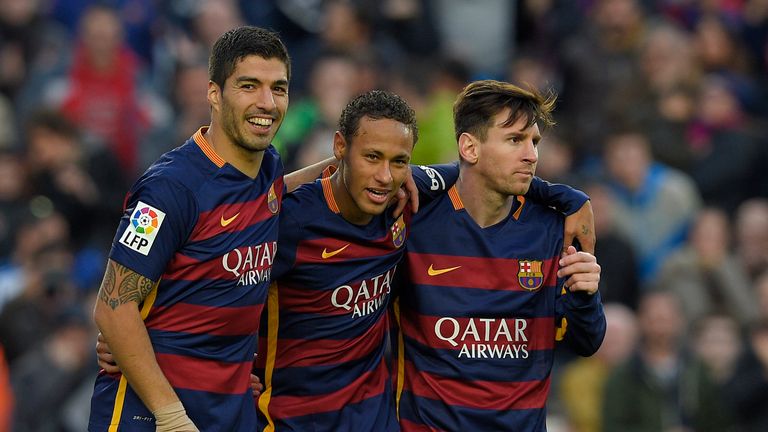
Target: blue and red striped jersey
{"points": [[325, 331], [208, 234], [478, 318]]}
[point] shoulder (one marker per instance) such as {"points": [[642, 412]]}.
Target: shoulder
{"points": [[305, 202]]}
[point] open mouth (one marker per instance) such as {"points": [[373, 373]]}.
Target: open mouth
{"points": [[377, 195]]}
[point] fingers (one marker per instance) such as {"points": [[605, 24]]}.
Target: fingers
{"points": [[256, 386], [401, 200], [412, 190], [581, 270]]}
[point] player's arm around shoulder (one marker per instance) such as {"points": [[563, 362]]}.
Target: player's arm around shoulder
{"points": [[119, 319], [581, 303]]}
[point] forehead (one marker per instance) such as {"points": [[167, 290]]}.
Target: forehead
{"points": [[519, 125], [384, 133], [259, 68]]}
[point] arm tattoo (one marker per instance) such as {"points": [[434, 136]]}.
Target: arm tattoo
{"points": [[131, 286], [584, 229]]}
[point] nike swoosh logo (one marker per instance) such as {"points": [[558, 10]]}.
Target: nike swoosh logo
{"points": [[435, 272], [327, 254], [225, 222]]}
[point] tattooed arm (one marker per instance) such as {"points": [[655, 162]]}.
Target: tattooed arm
{"points": [[118, 317]]}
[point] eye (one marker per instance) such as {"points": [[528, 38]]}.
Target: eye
{"points": [[371, 156], [400, 162], [280, 90]]}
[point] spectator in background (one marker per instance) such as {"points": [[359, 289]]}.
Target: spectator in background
{"points": [[663, 100], [85, 184], [28, 40], [47, 374], [101, 92], [43, 262], [311, 121], [706, 274], [745, 393], [659, 388], [445, 78], [582, 381], [655, 204], [717, 342], [728, 164], [619, 281], [598, 64], [752, 236], [761, 295]]}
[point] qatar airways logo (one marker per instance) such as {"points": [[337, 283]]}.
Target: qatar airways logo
{"points": [[480, 338], [365, 297], [250, 265]]}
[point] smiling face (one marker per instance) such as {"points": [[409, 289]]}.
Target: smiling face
{"points": [[506, 159], [372, 167], [252, 103]]}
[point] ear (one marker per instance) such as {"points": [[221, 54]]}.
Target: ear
{"points": [[339, 146], [214, 95], [469, 148]]}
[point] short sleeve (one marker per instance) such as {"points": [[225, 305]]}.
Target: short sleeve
{"points": [[434, 180]]}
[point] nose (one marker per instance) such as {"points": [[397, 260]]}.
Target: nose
{"points": [[531, 153], [383, 173], [265, 99]]}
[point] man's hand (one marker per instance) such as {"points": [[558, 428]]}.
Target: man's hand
{"points": [[581, 270], [256, 386], [104, 355], [408, 192], [581, 225]]}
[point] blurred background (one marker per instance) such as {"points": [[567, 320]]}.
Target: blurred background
{"points": [[662, 119]]}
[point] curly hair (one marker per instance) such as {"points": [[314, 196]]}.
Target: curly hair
{"points": [[377, 104]]}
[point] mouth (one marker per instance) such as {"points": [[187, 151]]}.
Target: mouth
{"points": [[378, 196], [262, 124]]}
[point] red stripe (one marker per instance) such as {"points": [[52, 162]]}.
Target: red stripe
{"points": [[311, 251], [481, 273], [409, 426], [495, 395], [303, 300], [205, 375], [242, 260], [248, 213], [218, 321], [367, 385], [540, 332], [322, 352]]}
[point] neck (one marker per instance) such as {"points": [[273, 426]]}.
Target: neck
{"points": [[347, 207], [485, 207], [246, 161]]}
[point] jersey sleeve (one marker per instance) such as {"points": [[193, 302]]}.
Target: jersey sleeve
{"points": [[581, 320], [434, 180], [159, 216], [563, 198]]}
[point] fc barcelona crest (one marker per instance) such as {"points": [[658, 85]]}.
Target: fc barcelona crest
{"points": [[272, 202], [529, 275], [398, 232]]}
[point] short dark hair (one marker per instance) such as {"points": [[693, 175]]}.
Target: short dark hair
{"points": [[53, 121], [480, 101], [239, 43], [377, 104]]}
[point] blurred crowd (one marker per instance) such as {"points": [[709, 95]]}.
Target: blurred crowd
{"points": [[662, 119]]}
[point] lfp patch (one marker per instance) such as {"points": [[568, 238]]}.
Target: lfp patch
{"points": [[530, 275], [142, 230], [398, 232]]}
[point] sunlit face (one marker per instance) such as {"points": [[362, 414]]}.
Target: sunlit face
{"points": [[253, 102], [372, 167], [508, 156]]}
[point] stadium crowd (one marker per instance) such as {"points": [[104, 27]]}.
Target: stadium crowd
{"points": [[662, 120]]}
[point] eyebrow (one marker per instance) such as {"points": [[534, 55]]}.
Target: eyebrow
{"points": [[282, 82]]}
